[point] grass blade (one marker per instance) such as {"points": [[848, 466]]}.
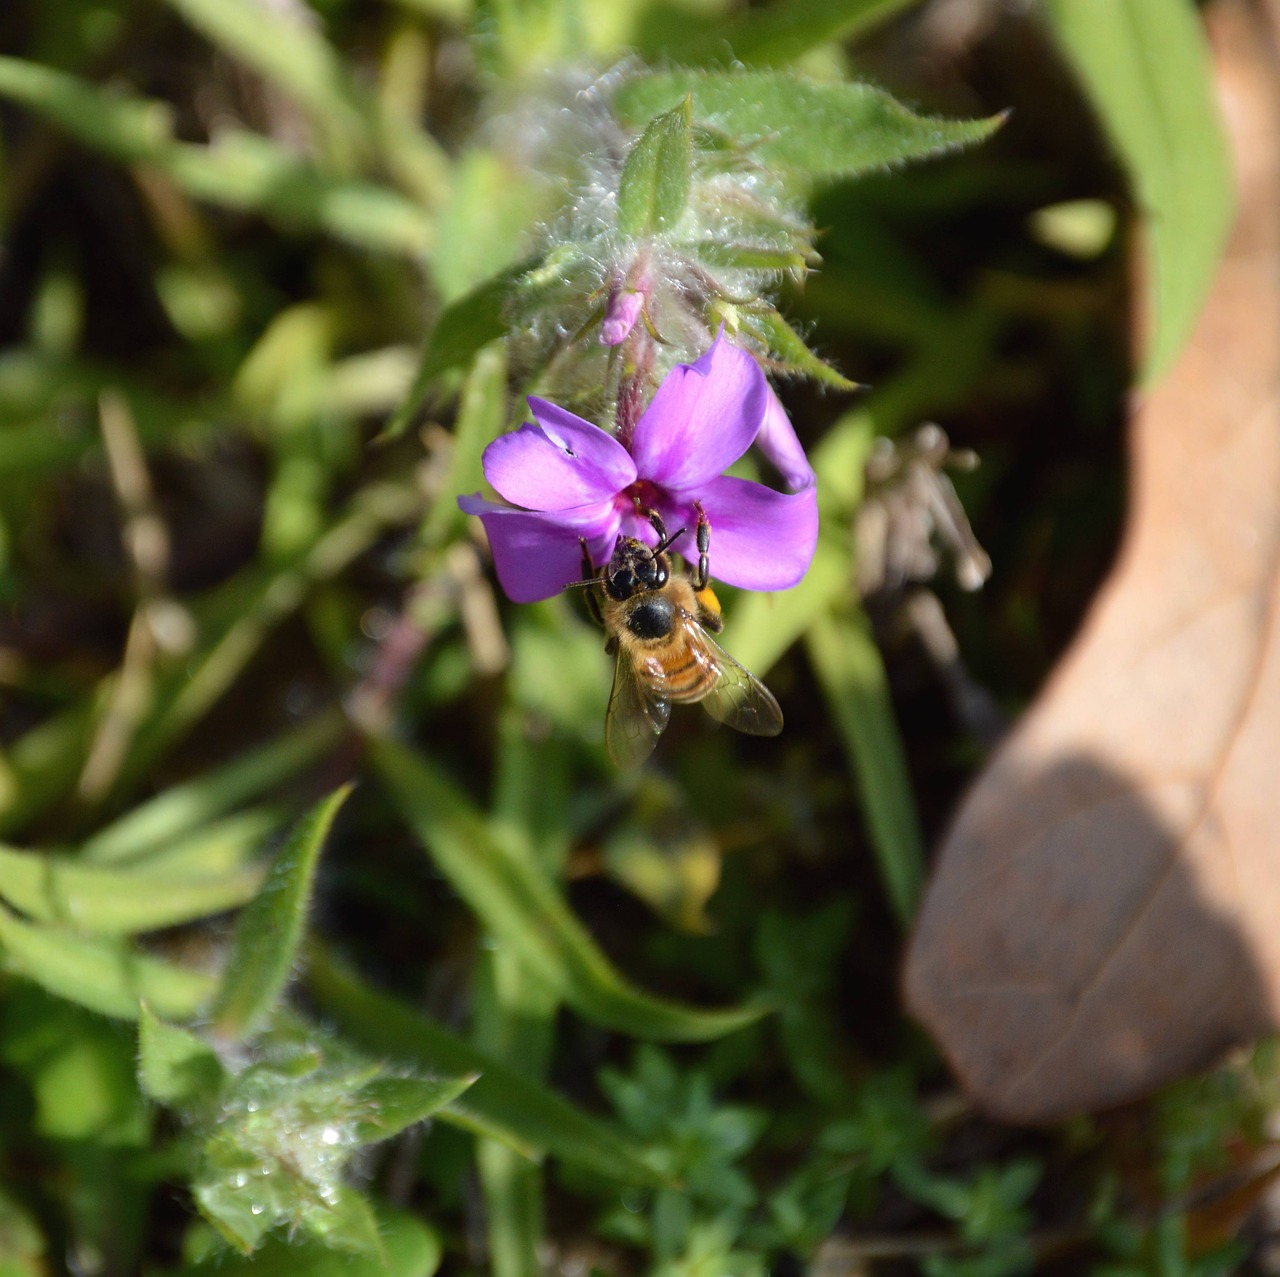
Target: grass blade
{"points": [[104, 975], [1145, 65], [105, 901], [185, 809], [524, 909], [848, 665]]}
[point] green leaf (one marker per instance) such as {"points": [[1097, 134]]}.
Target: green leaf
{"points": [[344, 1219], [270, 929], [394, 1103], [823, 131], [1146, 68], [851, 673], [748, 256], [462, 329], [105, 901], [103, 975], [126, 127], [524, 909], [788, 348], [284, 1129], [653, 191], [174, 1066], [778, 34], [494, 202], [502, 1103], [411, 1249]]}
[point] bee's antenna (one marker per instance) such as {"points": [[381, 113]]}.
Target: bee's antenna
{"points": [[591, 580], [667, 542]]}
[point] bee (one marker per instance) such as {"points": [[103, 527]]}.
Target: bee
{"points": [[657, 620]]}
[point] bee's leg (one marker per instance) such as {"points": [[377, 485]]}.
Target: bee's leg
{"points": [[589, 571], [708, 605], [665, 542], [703, 576]]}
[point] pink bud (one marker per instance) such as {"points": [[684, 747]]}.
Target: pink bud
{"points": [[620, 316]]}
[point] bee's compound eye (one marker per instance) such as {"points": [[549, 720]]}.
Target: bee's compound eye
{"points": [[622, 583]]}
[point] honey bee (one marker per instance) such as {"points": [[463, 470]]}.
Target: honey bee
{"points": [[657, 620]]}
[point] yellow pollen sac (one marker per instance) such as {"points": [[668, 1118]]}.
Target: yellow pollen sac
{"points": [[707, 599]]}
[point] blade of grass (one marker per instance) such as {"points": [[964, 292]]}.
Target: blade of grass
{"points": [[113, 902], [1146, 68], [524, 909], [851, 674], [104, 975], [516, 1008], [183, 810]]}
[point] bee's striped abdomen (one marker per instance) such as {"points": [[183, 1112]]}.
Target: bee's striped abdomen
{"points": [[687, 673]]}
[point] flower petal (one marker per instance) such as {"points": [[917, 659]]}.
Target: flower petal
{"points": [[558, 463], [537, 554], [702, 419], [777, 440], [760, 539]]}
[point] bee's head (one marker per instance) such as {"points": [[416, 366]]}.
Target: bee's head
{"points": [[634, 567]]}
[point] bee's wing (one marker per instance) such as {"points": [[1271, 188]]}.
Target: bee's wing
{"points": [[636, 717], [737, 698]]}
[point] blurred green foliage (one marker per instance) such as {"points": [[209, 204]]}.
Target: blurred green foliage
{"points": [[257, 262]]}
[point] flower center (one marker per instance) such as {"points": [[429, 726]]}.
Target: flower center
{"points": [[644, 494]]}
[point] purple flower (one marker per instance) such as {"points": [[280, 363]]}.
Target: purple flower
{"points": [[566, 478]]}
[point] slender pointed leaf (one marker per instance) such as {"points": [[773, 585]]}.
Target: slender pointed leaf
{"points": [[185, 809], [128, 128], [394, 1103], [524, 909], [241, 170], [104, 975], [104, 901], [653, 191], [1145, 65], [853, 680], [789, 348], [823, 131], [270, 930]]}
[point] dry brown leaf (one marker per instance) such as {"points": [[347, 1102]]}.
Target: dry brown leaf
{"points": [[1106, 910]]}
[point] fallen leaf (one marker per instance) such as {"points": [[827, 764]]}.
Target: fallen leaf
{"points": [[1105, 914]]}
